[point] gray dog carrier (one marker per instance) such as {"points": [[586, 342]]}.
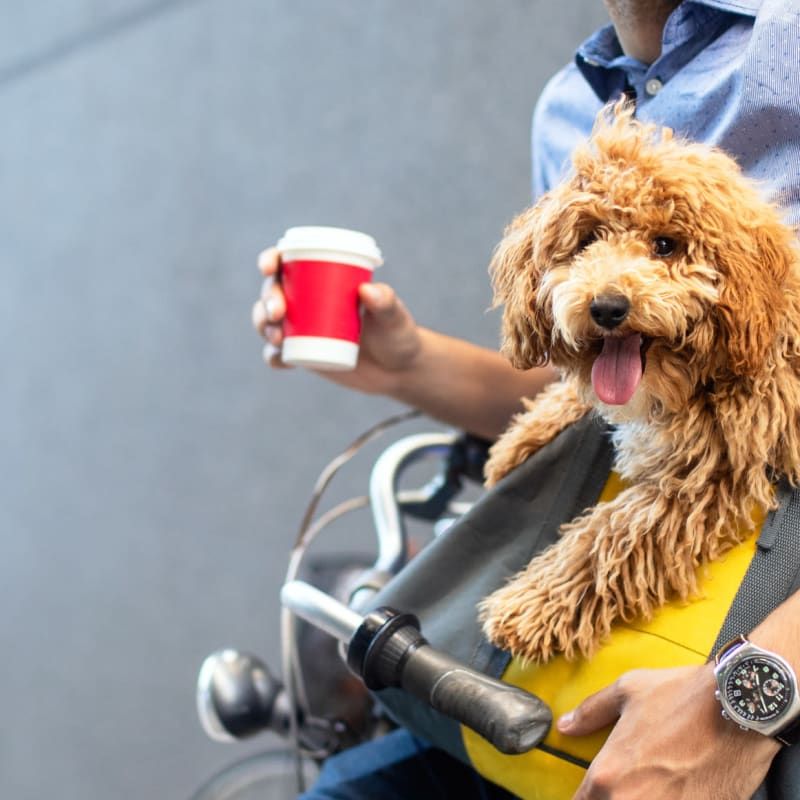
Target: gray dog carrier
{"points": [[521, 516]]}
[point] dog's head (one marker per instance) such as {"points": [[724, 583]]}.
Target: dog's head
{"points": [[653, 270]]}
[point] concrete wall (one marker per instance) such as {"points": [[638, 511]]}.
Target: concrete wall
{"points": [[153, 471]]}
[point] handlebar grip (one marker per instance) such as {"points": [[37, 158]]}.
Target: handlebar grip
{"points": [[513, 720], [389, 650]]}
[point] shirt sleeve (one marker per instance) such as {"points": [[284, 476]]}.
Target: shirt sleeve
{"points": [[563, 118]]}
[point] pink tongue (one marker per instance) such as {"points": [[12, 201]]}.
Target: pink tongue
{"points": [[616, 372]]}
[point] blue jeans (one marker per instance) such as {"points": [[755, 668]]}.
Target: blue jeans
{"points": [[400, 767]]}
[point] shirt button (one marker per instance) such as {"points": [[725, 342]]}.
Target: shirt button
{"points": [[653, 87]]}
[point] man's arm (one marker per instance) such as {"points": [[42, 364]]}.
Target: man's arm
{"points": [[467, 386], [669, 737]]}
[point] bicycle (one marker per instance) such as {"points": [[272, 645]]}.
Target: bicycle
{"points": [[238, 697]]}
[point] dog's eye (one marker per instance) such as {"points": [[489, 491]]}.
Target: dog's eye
{"points": [[664, 246], [586, 240]]}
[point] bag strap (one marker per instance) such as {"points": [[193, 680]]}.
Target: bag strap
{"points": [[773, 575], [774, 572]]}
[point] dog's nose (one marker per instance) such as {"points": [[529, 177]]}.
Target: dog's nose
{"points": [[609, 310]]}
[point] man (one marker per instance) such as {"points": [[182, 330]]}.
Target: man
{"points": [[725, 72]]}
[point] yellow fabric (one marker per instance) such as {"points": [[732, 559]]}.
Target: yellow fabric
{"points": [[679, 634]]}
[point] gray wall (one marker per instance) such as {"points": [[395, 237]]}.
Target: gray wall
{"points": [[153, 472]]}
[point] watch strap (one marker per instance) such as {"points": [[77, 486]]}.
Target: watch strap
{"points": [[730, 646], [790, 734]]}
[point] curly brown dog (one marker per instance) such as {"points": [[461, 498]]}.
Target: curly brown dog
{"points": [[667, 293]]}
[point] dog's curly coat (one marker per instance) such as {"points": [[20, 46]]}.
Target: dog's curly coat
{"points": [[667, 292]]}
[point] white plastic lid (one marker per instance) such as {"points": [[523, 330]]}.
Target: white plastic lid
{"points": [[316, 237]]}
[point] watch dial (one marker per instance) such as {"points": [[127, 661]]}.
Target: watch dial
{"points": [[758, 690]]}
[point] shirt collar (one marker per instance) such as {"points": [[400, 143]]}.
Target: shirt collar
{"points": [[606, 67], [748, 8]]}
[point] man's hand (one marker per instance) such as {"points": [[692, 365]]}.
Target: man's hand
{"points": [[669, 740], [390, 339]]}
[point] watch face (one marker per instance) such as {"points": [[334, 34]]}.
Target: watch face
{"points": [[758, 689]]}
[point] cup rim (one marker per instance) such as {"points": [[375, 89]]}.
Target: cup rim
{"points": [[322, 237]]}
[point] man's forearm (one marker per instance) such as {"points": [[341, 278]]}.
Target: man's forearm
{"points": [[467, 386]]}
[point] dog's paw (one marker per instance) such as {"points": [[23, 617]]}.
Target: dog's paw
{"points": [[550, 606], [515, 627], [553, 409], [504, 455], [534, 622]]}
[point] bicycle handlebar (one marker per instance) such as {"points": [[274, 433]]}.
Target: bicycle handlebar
{"points": [[513, 720], [386, 649], [237, 697], [392, 548]]}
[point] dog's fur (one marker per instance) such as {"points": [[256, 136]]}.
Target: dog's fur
{"points": [[715, 418]]}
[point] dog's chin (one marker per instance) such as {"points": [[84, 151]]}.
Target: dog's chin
{"points": [[637, 409]]}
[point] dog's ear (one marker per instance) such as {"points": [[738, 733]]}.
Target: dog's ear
{"points": [[515, 270], [754, 265]]}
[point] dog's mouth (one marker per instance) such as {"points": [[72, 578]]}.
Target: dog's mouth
{"points": [[618, 368]]}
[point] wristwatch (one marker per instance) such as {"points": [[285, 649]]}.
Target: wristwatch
{"points": [[758, 690]]}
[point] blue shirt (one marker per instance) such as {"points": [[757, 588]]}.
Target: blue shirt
{"points": [[728, 75]]}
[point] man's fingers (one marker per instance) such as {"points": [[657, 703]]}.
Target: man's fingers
{"points": [[259, 316], [380, 300], [269, 262], [273, 334], [270, 309], [274, 303], [595, 712], [272, 356]]}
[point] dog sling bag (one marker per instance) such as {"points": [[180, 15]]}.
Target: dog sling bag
{"points": [[517, 519]]}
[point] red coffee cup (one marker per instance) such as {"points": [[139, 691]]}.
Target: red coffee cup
{"points": [[321, 270]]}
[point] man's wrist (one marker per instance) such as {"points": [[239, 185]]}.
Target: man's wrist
{"points": [[735, 741], [403, 383], [756, 689]]}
